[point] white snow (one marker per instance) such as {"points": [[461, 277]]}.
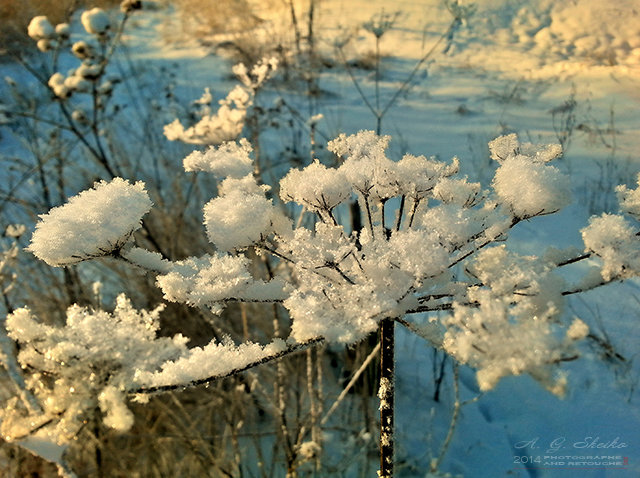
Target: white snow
{"points": [[96, 222], [211, 360], [316, 187], [95, 21], [230, 159], [613, 239], [40, 28], [629, 199], [527, 185], [94, 357], [213, 280]]}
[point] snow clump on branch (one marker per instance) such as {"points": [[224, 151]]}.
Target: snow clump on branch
{"points": [[524, 182], [97, 222]]}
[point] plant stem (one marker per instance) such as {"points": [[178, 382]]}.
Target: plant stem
{"points": [[386, 395]]}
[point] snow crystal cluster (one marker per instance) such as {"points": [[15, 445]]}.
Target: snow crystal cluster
{"points": [[214, 359], [506, 327], [524, 181], [614, 239], [97, 222], [226, 123], [93, 358], [95, 21], [214, 280]]}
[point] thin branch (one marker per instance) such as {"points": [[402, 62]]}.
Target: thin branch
{"points": [[351, 383], [400, 212], [589, 287], [369, 218], [194, 383], [416, 68], [412, 214], [356, 83], [573, 260], [431, 308]]}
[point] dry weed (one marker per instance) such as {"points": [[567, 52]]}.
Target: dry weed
{"points": [[16, 15]]}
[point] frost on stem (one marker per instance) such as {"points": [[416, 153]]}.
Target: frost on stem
{"points": [[214, 128], [214, 280], [211, 360], [97, 222], [89, 362]]}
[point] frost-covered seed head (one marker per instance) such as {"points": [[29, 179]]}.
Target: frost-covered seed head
{"points": [[41, 29], [578, 330], [63, 30], [89, 71], [92, 360], [508, 146], [457, 191], [260, 72], [45, 45], [612, 238], [58, 86], [316, 187], [227, 228], [364, 144], [76, 83], [82, 50], [15, 230], [95, 21], [80, 116], [530, 188]]}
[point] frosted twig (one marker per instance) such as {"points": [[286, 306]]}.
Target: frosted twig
{"points": [[351, 383], [181, 386]]}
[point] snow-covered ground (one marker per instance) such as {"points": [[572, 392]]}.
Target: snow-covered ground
{"points": [[516, 66]]}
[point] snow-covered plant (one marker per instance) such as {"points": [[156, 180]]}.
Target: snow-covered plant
{"points": [[83, 93], [93, 52], [90, 362], [227, 122], [430, 241]]}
